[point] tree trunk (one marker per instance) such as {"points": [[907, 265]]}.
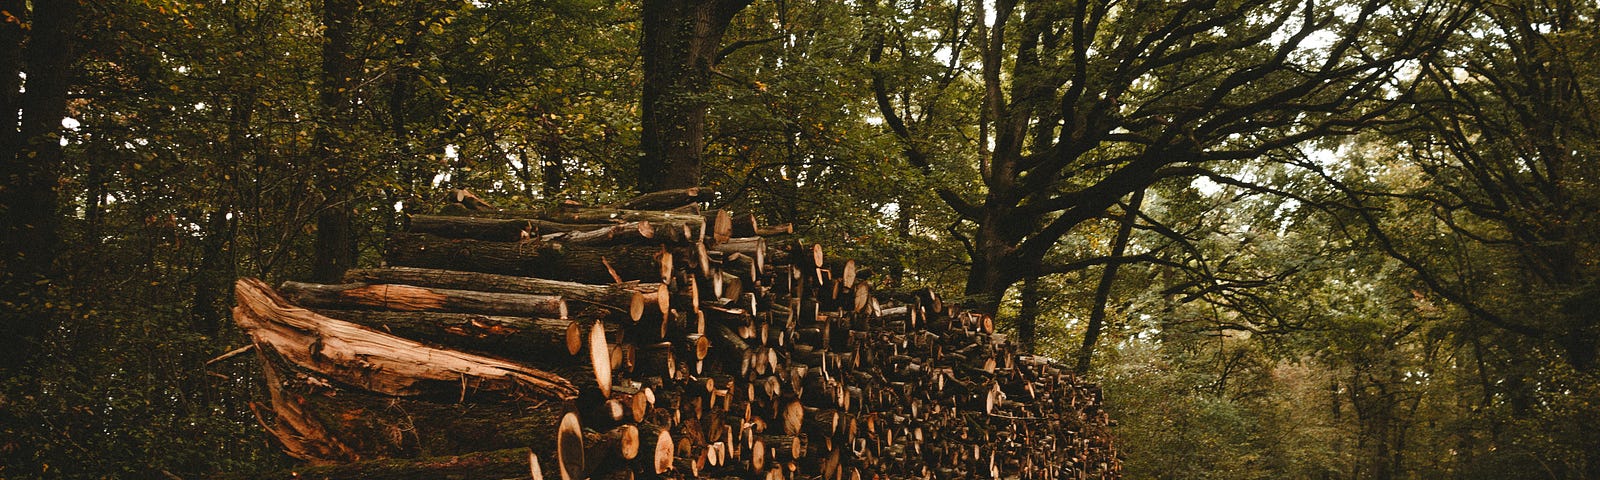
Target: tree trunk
{"points": [[32, 160], [1102, 291], [334, 248], [216, 271], [1028, 316], [681, 39]]}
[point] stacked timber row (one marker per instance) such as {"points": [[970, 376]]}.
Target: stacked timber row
{"points": [[653, 340]]}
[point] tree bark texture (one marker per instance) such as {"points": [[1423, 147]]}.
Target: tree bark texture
{"points": [[681, 40], [334, 249]]}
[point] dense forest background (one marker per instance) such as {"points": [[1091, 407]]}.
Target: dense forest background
{"points": [[1291, 239]]}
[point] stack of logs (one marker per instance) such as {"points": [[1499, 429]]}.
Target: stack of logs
{"points": [[634, 341]]}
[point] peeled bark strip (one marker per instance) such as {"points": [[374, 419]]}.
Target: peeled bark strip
{"points": [[379, 362], [302, 435], [626, 297], [547, 260], [407, 298]]}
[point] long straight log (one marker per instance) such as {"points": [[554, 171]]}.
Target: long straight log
{"points": [[534, 340], [548, 260], [633, 232], [492, 229], [662, 200], [633, 298], [593, 215], [421, 299]]}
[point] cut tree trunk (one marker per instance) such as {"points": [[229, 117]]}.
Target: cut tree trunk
{"points": [[633, 298], [547, 260], [408, 298], [377, 361], [534, 340]]}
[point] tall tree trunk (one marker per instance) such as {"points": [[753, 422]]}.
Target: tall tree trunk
{"points": [[1102, 292], [552, 175], [334, 249], [32, 161], [681, 40], [1028, 316], [211, 286]]}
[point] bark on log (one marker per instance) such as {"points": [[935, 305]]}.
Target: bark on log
{"points": [[491, 229], [662, 200], [633, 298], [552, 261], [408, 298], [497, 464], [534, 340]]}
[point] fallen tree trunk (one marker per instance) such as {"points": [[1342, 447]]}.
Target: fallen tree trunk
{"points": [[379, 362]]}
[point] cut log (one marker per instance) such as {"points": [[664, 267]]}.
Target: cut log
{"points": [[634, 232], [576, 263], [633, 298], [376, 361], [407, 298], [534, 340], [753, 247], [662, 200], [491, 229], [720, 225]]}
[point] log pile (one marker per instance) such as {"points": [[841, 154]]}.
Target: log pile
{"points": [[619, 342]]}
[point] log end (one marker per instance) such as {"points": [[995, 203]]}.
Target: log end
{"points": [[664, 451], [575, 338], [628, 445], [636, 306], [600, 357], [569, 447]]}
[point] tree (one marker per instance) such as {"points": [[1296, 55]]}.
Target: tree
{"points": [[1087, 103], [335, 249], [681, 45], [1504, 140], [39, 44]]}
